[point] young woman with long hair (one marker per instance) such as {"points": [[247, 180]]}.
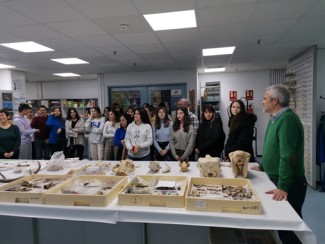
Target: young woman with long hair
{"points": [[241, 130], [182, 137], [138, 138], [110, 152], [162, 129], [75, 128], [119, 136]]}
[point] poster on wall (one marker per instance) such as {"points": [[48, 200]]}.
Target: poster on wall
{"points": [[18, 93], [155, 98], [249, 95], [232, 95], [126, 98]]}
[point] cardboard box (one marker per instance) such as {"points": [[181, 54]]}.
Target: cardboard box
{"points": [[56, 197], [36, 196], [171, 201], [222, 205]]}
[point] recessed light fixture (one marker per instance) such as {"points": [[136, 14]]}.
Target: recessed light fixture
{"points": [[5, 66], [171, 20], [68, 61], [27, 47], [210, 70], [66, 74], [218, 51]]}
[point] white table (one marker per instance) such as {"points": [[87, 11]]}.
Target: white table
{"points": [[275, 215]]}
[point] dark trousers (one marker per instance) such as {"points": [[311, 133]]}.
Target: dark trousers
{"points": [[296, 198], [72, 150], [158, 157], [42, 149], [56, 147]]}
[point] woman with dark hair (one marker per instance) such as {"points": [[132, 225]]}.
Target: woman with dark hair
{"points": [[210, 136], [75, 128], [119, 136], [9, 137], [117, 108], [162, 129], [138, 138], [182, 138], [106, 113], [130, 111], [110, 152], [56, 124], [241, 129], [95, 126]]}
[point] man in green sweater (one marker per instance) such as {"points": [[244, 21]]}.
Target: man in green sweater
{"points": [[283, 153]]}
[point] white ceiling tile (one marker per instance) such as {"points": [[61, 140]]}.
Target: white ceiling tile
{"points": [[310, 24], [137, 38], [46, 11], [190, 34], [316, 10], [99, 41], [147, 48], [158, 6], [265, 11], [299, 37], [77, 28], [264, 28], [6, 37], [293, 9], [211, 3], [135, 23], [11, 18], [114, 51], [63, 44], [35, 32], [81, 53], [225, 14], [104, 8]]}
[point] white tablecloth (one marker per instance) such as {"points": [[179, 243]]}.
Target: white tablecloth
{"points": [[276, 215]]}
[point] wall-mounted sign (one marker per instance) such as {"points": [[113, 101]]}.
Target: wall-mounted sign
{"points": [[232, 95], [249, 95]]}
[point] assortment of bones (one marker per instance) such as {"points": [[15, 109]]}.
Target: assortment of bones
{"points": [[124, 167], [89, 187], [229, 192], [18, 169], [167, 188], [36, 185]]}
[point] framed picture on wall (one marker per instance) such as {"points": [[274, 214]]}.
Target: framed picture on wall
{"points": [[7, 97]]}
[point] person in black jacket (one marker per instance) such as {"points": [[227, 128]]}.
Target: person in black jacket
{"points": [[210, 136], [241, 130]]}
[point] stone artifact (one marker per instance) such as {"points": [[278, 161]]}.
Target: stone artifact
{"points": [[209, 166], [239, 163], [154, 167]]}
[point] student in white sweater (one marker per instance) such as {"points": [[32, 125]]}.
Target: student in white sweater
{"points": [[138, 137], [110, 151], [95, 126]]}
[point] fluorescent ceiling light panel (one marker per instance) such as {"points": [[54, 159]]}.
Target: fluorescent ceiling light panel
{"points": [[66, 74], [27, 47], [218, 51], [214, 70], [68, 61], [4, 66], [172, 20]]}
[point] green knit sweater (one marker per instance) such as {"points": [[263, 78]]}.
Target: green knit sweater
{"points": [[283, 153]]}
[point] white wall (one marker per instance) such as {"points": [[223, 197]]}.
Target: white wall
{"points": [[5, 80], [240, 82]]}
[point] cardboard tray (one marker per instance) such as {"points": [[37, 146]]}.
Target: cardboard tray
{"points": [[222, 205], [127, 199], [55, 197], [27, 197]]}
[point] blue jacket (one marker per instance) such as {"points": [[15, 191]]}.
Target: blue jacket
{"points": [[54, 123], [119, 136]]}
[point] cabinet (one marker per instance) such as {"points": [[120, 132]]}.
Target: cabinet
{"points": [[210, 95], [83, 106]]}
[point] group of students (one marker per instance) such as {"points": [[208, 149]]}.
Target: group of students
{"points": [[138, 134]]}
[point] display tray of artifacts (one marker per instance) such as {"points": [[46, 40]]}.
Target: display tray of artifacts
{"points": [[87, 190], [30, 189], [222, 195], [158, 191]]}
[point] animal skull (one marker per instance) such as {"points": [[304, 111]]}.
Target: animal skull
{"points": [[124, 168], [209, 166], [154, 167], [239, 162]]}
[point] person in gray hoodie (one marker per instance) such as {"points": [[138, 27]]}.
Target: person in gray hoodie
{"points": [[26, 131]]}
